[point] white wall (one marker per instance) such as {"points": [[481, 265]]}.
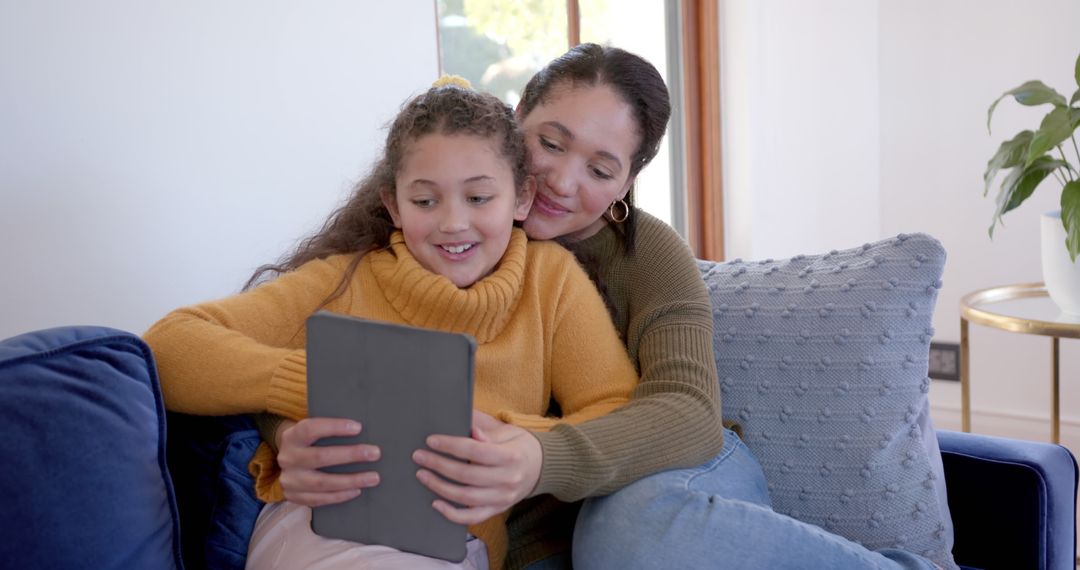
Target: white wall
{"points": [[852, 120], [942, 63], [153, 153], [799, 85]]}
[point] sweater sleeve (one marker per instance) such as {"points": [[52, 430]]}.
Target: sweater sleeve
{"points": [[244, 353], [673, 419]]}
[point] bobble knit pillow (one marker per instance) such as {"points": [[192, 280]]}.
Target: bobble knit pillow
{"points": [[822, 361]]}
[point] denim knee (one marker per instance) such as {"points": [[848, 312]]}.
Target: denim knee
{"points": [[734, 474], [641, 515]]}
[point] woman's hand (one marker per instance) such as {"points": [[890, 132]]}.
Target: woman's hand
{"points": [[486, 474], [300, 461]]}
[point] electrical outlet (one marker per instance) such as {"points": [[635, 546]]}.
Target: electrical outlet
{"points": [[944, 361]]}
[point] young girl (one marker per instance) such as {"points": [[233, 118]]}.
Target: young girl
{"points": [[427, 239]]}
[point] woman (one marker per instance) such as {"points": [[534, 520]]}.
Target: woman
{"points": [[661, 465]]}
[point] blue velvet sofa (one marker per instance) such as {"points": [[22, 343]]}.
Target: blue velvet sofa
{"points": [[821, 359], [92, 481]]}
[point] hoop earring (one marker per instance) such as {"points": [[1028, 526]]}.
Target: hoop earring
{"points": [[625, 211]]}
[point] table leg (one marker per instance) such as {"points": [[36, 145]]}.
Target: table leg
{"points": [[1055, 396], [965, 378]]}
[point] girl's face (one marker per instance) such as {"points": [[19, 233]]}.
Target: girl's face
{"points": [[456, 205], [580, 144]]}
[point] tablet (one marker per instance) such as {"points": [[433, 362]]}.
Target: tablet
{"points": [[402, 384]]}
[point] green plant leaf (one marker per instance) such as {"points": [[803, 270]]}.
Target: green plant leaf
{"points": [[1006, 189], [1077, 73], [1075, 97], [1070, 216], [1031, 93], [1020, 183], [1056, 126], [1011, 153], [1029, 179]]}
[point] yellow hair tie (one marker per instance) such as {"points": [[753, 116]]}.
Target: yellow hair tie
{"points": [[455, 80]]}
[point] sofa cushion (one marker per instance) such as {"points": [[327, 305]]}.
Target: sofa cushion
{"points": [[84, 479], [208, 460], [822, 361]]}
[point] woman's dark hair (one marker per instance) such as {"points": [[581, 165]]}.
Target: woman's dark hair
{"points": [[634, 79], [363, 223]]}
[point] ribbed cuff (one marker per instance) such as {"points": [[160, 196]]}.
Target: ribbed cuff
{"points": [[288, 387], [558, 472]]}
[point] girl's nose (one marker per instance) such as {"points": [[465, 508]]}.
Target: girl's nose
{"points": [[455, 218]]}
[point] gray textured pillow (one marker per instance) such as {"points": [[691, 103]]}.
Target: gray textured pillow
{"points": [[822, 360]]}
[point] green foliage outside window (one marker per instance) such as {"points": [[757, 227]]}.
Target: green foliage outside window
{"points": [[499, 44]]}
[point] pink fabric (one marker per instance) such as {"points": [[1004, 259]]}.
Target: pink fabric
{"points": [[283, 539]]}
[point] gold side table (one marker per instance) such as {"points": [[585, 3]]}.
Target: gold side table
{"points": [[1025, 309]]}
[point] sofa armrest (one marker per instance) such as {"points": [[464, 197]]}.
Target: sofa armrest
{"points": [[83, 478], [1013, 502]]}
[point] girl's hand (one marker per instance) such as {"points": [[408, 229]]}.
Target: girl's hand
{"points": [[300, 461], [487, 473]]}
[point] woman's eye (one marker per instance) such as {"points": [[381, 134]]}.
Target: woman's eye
{"points": [[478, 200], [601, 174], [423, 202], [548, 144]]}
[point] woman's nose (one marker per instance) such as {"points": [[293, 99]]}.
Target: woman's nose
{"points": [[560, 181]]}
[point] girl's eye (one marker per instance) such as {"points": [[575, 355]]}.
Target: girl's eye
{"points": [[423, 202], [479, 200]]}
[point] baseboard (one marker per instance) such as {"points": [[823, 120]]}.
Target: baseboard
{"points": [[1007, 423]]}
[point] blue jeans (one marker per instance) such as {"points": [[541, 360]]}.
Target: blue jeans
{"points": [[717, 515]]}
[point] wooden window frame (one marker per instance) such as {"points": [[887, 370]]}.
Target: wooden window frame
{"points": [[573, 23], [701, 100]]}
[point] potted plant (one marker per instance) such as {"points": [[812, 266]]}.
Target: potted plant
{"points": [[1030, 158]]}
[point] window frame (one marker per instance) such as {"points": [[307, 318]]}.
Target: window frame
{"points": [[703, 156]]}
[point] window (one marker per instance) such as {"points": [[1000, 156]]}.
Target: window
{"points": [[499, 44]]}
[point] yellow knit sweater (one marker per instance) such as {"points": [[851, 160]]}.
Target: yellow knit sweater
{"points": [[537, 319]]}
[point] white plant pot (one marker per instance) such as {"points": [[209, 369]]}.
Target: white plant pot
{"points": [[1061, 274]]}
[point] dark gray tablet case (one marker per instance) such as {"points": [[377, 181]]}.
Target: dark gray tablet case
{"points": [[402, 384]]}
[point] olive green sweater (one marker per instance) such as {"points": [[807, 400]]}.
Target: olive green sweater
{"points": [[663, 312]]}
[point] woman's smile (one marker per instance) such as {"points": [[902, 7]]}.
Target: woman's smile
{"points": [[548, 207]]}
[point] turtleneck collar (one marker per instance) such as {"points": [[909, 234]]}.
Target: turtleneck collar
{"points": [[429, 300]]}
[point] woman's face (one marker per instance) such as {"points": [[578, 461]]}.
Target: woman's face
{"points": [[580, 144]]}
